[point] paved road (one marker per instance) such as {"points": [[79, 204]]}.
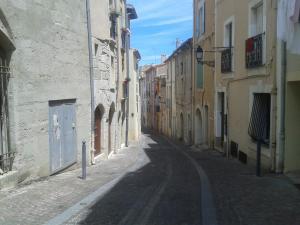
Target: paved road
{"points": [[166, 191]]}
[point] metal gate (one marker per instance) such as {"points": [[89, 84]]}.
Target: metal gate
{"points": [[62, 134]]}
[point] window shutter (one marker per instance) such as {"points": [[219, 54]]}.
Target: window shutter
{"points": [[199, 75]]}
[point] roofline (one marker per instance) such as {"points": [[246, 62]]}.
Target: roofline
{"points": [[183, 45]]}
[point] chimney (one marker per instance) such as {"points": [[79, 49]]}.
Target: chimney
{"points": [[163, 58], [178, 42]]}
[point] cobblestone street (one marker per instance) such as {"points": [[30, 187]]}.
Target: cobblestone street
{"points": [[156, 182]]}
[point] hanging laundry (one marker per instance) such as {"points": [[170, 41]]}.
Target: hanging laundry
{"points": [[296, 16], [287, 29]]}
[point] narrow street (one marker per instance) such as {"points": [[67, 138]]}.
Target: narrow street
{"points": [[164, 191], [170, 190]]}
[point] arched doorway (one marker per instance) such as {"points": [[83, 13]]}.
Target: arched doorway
{"points": [[198, 128], [181, 128], [110, 119], [189, 129], [99, 112], [206, 122]]}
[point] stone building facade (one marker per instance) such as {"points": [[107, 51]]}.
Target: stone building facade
{"points": [[47, 101], [203, 79], [180, 69], [45, 85]]}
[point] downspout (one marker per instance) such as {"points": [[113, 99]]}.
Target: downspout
{"points": [[88, 14], [127, 76], [118, 76], [280, 161]]}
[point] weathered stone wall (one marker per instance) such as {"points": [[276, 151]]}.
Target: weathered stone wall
{"points": [[50, 63]]}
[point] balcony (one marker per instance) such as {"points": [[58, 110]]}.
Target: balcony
{"points": [[254, 51], [226, 60]]}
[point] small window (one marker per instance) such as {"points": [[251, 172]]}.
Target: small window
{"points": [[259, 126], [228, 35], [96, 49], [202, 19], [199, 77], [257, 19]]}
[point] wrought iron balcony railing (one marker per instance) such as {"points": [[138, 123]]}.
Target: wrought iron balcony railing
{"points": [[254, 51], [226, 60]]}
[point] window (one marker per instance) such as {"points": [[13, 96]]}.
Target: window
{"points": [[181, 66], [6, 157], [228, 35], [199, 77], [202, 19], [113, 27], [259, 126], [227, 59], [256, 26], [96, 49]]}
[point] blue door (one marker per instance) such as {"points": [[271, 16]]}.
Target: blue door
{"points": [[62, 134]]}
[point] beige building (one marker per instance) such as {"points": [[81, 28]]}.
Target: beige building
{"points": [[288, 88], [203, 74], [179, 66], [112, 73], [245, 78], [134, 97]]}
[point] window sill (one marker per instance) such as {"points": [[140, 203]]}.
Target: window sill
{"points": [[227, 75]]}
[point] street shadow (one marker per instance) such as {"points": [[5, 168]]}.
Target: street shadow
{"points": [[134, 199]]}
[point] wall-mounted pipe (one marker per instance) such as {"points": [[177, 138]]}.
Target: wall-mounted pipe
{"points": [[91, 69]]}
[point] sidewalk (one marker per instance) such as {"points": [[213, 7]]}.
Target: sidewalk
{"points": [[41, 201], [242, 198]]}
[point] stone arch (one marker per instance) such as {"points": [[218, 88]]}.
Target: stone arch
{"points": [[198, 127], [110, 120], [98, 134]]}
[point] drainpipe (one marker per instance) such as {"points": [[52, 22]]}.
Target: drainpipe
{"points": [[118, 76], [127, 74], [280, 161], [88, 14]]}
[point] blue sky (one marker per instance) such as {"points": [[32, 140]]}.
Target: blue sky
{"points": [[158, 25]]}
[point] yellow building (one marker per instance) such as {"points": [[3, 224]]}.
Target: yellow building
{"points": [[203, 78], [245, 78]]}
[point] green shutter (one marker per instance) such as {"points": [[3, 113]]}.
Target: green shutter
{"points": [[199, 75]]}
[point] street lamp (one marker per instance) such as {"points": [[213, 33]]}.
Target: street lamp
{"points": [[199, 57], [199, 54]]}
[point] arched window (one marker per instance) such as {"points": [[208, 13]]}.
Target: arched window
{"points": [[6, 157]]}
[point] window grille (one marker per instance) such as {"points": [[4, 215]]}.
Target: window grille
{"points": [[259, 127], [6, 157]]}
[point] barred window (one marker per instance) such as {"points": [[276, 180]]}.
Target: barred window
{"points": [[259, 127], [6, 157]]}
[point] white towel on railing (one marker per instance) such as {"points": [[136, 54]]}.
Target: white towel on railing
{"points": [[288, 27]]}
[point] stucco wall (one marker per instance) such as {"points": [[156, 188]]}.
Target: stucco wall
{"points": [[292, 152], [240, 84], [50, 63]]}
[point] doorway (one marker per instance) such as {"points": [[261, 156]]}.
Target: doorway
{"points": [[181, 137], [110, 119], [220, 125], [198, 128], [206, 122], [62, 134], [98, 129]]}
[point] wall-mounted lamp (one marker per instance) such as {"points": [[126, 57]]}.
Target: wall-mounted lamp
{"points": [[199, 57]]}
